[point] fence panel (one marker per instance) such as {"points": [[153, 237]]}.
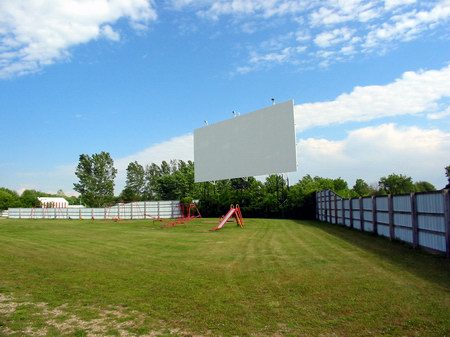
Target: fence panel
{"points": [[347, 213], [367, 204], [340, 214], [431, 221], [382, 216]]}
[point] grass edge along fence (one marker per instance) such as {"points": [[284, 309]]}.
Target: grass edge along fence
{"points": [[124, 211], [420, 219]]}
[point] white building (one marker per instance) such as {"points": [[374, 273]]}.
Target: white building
{"points": [[50, 202]]}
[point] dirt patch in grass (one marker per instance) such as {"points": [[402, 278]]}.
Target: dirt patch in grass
{"points": [[112, 321]]}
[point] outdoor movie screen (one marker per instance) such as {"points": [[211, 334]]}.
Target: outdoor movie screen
{"points": [[257, 143]]}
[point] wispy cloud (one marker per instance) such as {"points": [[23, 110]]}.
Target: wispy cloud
{"points": [[34, 34], [408, 25], [333, 37], [335, 30]]}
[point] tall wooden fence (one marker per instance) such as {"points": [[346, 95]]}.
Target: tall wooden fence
{"points": [[421, 219]]}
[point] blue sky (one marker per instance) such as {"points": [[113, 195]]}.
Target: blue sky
{"points": [[370, 79]]}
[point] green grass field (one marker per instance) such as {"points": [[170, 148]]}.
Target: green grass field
{"points": [[272, 278]]}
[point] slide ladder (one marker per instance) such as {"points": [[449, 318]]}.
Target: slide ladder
{"points": [[234, 210]]}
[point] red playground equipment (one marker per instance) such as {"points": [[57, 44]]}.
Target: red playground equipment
{"points": [[188, 212], [234, 210]]}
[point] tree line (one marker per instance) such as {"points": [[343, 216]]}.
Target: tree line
{"points": [[174, 180]]}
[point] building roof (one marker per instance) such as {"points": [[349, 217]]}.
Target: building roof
{"points": [[52, 199]]}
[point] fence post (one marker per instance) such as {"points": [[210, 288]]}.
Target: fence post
{"points": [[415, 229], [336, 220], [446, 197], [145, 210], [317, 204], [131, 205], [330, 219], [320, 209], [374, 215], [391, 216], [350, 208], [361, 214]]}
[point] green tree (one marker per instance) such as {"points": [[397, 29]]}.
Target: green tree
{"points": [[341, 187], [184, 174], [165, 168], [168, 188], [301, 196], [29, 198], [8, 198], [152, 175], [396, 184], [135, 183], [424, 186], [96, 175], [361, 188]]}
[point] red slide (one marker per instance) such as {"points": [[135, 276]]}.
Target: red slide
{"points": [[225, 218]]}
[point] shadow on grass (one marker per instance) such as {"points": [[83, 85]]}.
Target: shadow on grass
{"points": [[431, 267]]}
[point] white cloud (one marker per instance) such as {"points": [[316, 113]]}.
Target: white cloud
{"points": [[412, 93], [180, 148], [34, 34], [408, 25], [335, 36], [346, 27], [108, 32], [439, 115], [264, 8], [390, 4], [372, 152], [336, 12]]}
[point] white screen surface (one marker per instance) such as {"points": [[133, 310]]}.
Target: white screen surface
{"points": [[258, 143]]}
